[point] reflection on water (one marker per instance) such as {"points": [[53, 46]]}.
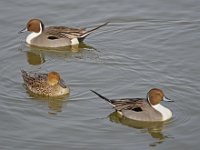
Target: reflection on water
{"points": [[72, 48], [153, 128], [55, 104], [34, 58], [37, 56]]}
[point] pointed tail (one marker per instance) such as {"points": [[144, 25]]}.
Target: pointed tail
{"points": [[25, 76], [90, 31], [101, 96], [24, 73]]}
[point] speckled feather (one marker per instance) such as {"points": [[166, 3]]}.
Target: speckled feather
{"points": [[37, 83]]}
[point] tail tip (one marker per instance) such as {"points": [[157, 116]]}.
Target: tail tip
{"points": [[101, 96], [94, 92], [23, 71]]}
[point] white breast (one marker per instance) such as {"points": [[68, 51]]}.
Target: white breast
{"points": [[166, 113]]}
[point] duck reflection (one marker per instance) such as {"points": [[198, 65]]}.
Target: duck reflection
{"points": [[153, 128], [73, 48], [55, 104], [34, 58], [36, 55]]}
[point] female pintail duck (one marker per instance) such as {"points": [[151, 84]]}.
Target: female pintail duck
{"points": [[54, 36], [45, 84], [142, 109]]}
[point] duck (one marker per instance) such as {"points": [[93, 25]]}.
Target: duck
{"points": [[45, 84], [146, 109], [54, 36]]}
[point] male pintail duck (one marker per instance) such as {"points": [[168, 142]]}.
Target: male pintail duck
{"points": [[54, 36], [142, 109], [44, 84]]}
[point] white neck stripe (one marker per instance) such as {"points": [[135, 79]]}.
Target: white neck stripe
{"points": [[33, 35]]}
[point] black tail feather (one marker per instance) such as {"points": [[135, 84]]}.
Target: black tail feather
{"points": [[90, 31], [101, 96]]}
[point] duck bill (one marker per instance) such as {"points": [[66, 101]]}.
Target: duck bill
{"points": [[62, 84], [167, 99], [23, 30]]}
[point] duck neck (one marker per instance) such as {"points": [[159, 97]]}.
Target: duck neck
{"points": [[165, 112], [34, 35]]}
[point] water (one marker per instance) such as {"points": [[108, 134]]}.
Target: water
{"points": [[148, 43]]}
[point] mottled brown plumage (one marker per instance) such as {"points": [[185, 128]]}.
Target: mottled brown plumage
{"points": [[45, 84]]}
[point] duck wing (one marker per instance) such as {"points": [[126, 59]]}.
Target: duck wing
{"points": [[33, 79], [134, 104], [57, 32]]}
